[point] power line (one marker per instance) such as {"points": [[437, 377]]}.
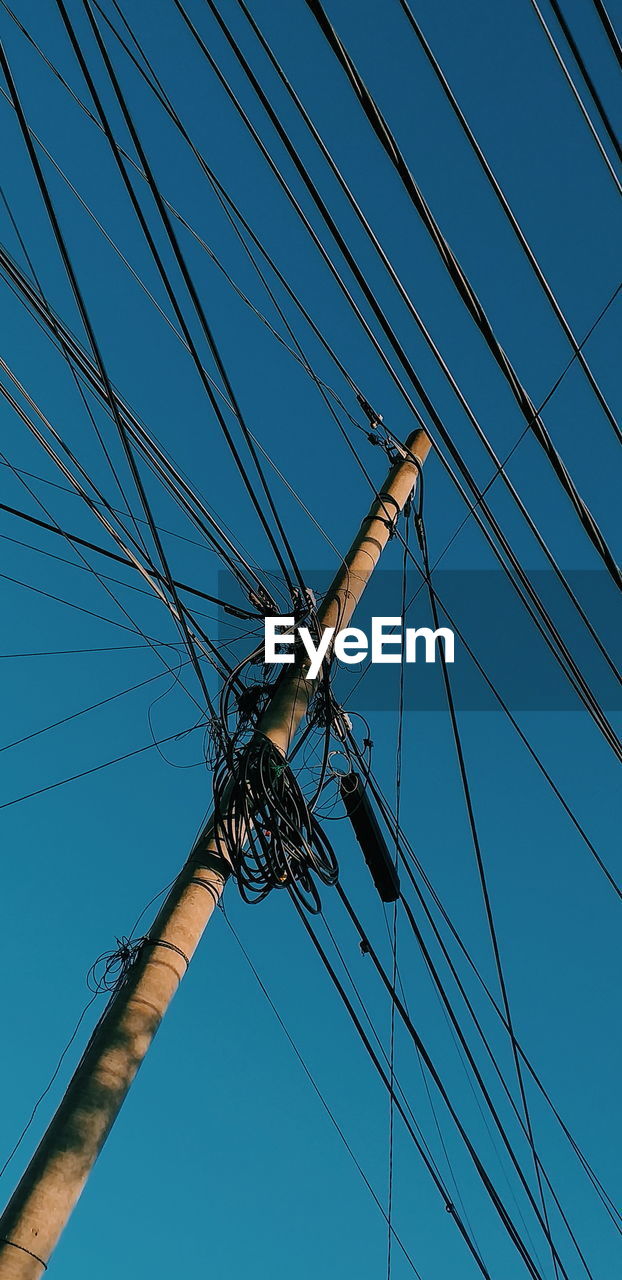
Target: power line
{"points": [[609, 29], [187, 278], [463, 286], [578, 57], [568, 665], [575, 93], [436, 1178], [386, 262], [318, 1092], [406, 848], [106, 764], [507, 209], [85, 317]]}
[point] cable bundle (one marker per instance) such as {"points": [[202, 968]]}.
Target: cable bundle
{"points": [[265, 823]]}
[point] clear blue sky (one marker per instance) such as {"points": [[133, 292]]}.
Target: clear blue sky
{"points": [[223, 1161]]}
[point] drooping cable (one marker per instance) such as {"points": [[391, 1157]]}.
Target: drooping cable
{"points": [[438, 423], [292, 152], [86, 320], [575, 92], [609, 30], [477, 849], [187, 278], [576, 678], [414, 869], [383, 1074], [580, 61], [464, 287], [511, 217]]}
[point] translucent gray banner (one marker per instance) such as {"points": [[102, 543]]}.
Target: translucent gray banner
{"points": [[492, 627]]}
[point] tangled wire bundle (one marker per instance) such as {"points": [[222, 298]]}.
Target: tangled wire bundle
{"points": [[256, 792]]}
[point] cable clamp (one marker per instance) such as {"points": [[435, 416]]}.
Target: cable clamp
{"points": [[375, 419], [389, 521]]}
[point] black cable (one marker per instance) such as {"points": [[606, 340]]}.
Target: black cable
{"points": [[316, 1089], [64, 653], [406, 848], [404, 360], [436, 1178], [578, 57], [85, 773], [577, 678], [102, 702], [188, 281], [609, 29], [575, 93], [505, 205], [464, 287], [84, 314], [500, 467], [178, 610], [461, 1040], [416, 1038], [179, 487], [78, 385], [227, 607], [477, 849]]}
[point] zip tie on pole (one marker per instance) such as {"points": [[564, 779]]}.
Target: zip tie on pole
{"points": [[13, 1245]]}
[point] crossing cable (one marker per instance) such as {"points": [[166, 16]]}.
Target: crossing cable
{"points": [[232, 609], [500, 467], [218, 187], [575, 92], [85, 317], [399, 1106], [157, 459], [388, 817], [488, 1185], [213, 257], [577, 678], [70, 455], [571, 671], [609, 29], [63, 488], [94, 706], [158, 91], [317, 1090], [385, 1056], [412, 1031], [393, 826], [603, 311], [134, 626], [187, 278], [464, 287], [396, 379], [509, 213], [327, 392], [90, 569], [63, 346], [106, 764], [318, 381], [258, 244], [534, 755], [477, 849], [460, 1039], [78, 385], [578, 57], [487, 170], [176, 608]]}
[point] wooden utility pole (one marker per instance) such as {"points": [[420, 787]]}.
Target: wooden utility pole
{"points": [[44, 1198]]}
